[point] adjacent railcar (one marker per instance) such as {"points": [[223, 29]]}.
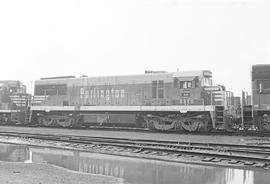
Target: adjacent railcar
{"points": [[156, 100], [13, 102], [261, 96]]}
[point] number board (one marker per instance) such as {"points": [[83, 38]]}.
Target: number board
{"points": [[185, 94]]}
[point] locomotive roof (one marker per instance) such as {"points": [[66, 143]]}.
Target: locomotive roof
{"points": [[10, 82], [124, 79], [261, 71], [261, 67]]}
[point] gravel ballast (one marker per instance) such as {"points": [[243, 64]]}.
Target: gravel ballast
{"points": [[142, 135]]}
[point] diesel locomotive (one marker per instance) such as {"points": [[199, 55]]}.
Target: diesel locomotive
{"points": [[13, 101], [184, 100]]}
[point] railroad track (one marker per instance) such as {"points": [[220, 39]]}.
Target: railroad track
{"points": [[135, 129], [231, 154]]}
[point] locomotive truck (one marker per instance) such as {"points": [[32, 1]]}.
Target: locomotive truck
{"points": [[183, 100]]}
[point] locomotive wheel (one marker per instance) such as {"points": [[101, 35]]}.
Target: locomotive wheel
{"points": [[191, 125], [165, 125], [102, 120], [144, 124], [204, 126], [266, 126], [65, 122], [151, 125], [177, 125], [266, 123], [46, 121]]}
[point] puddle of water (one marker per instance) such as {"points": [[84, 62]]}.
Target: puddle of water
{"points": [[132, 170], [15, 153]]}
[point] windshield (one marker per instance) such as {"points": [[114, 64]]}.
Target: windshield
{"points": [[206, 81]]}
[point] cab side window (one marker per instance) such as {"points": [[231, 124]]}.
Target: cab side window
{"points": [[185, 84]]}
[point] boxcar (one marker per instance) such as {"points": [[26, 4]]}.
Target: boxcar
{"points": [[261, 95]]}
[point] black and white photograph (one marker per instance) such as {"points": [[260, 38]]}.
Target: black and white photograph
{"points": [[134, 92]]}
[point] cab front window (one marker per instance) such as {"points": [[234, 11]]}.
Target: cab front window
{"points": [[206, 81]]}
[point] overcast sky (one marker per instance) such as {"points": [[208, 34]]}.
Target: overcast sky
{"points": [[114, 37]]}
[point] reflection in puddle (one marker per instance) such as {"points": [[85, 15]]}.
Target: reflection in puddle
{"points": [[15, 153], [235, 176], [135, 171]]}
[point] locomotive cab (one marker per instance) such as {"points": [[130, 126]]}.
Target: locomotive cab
{"points": [[190, 87]]}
